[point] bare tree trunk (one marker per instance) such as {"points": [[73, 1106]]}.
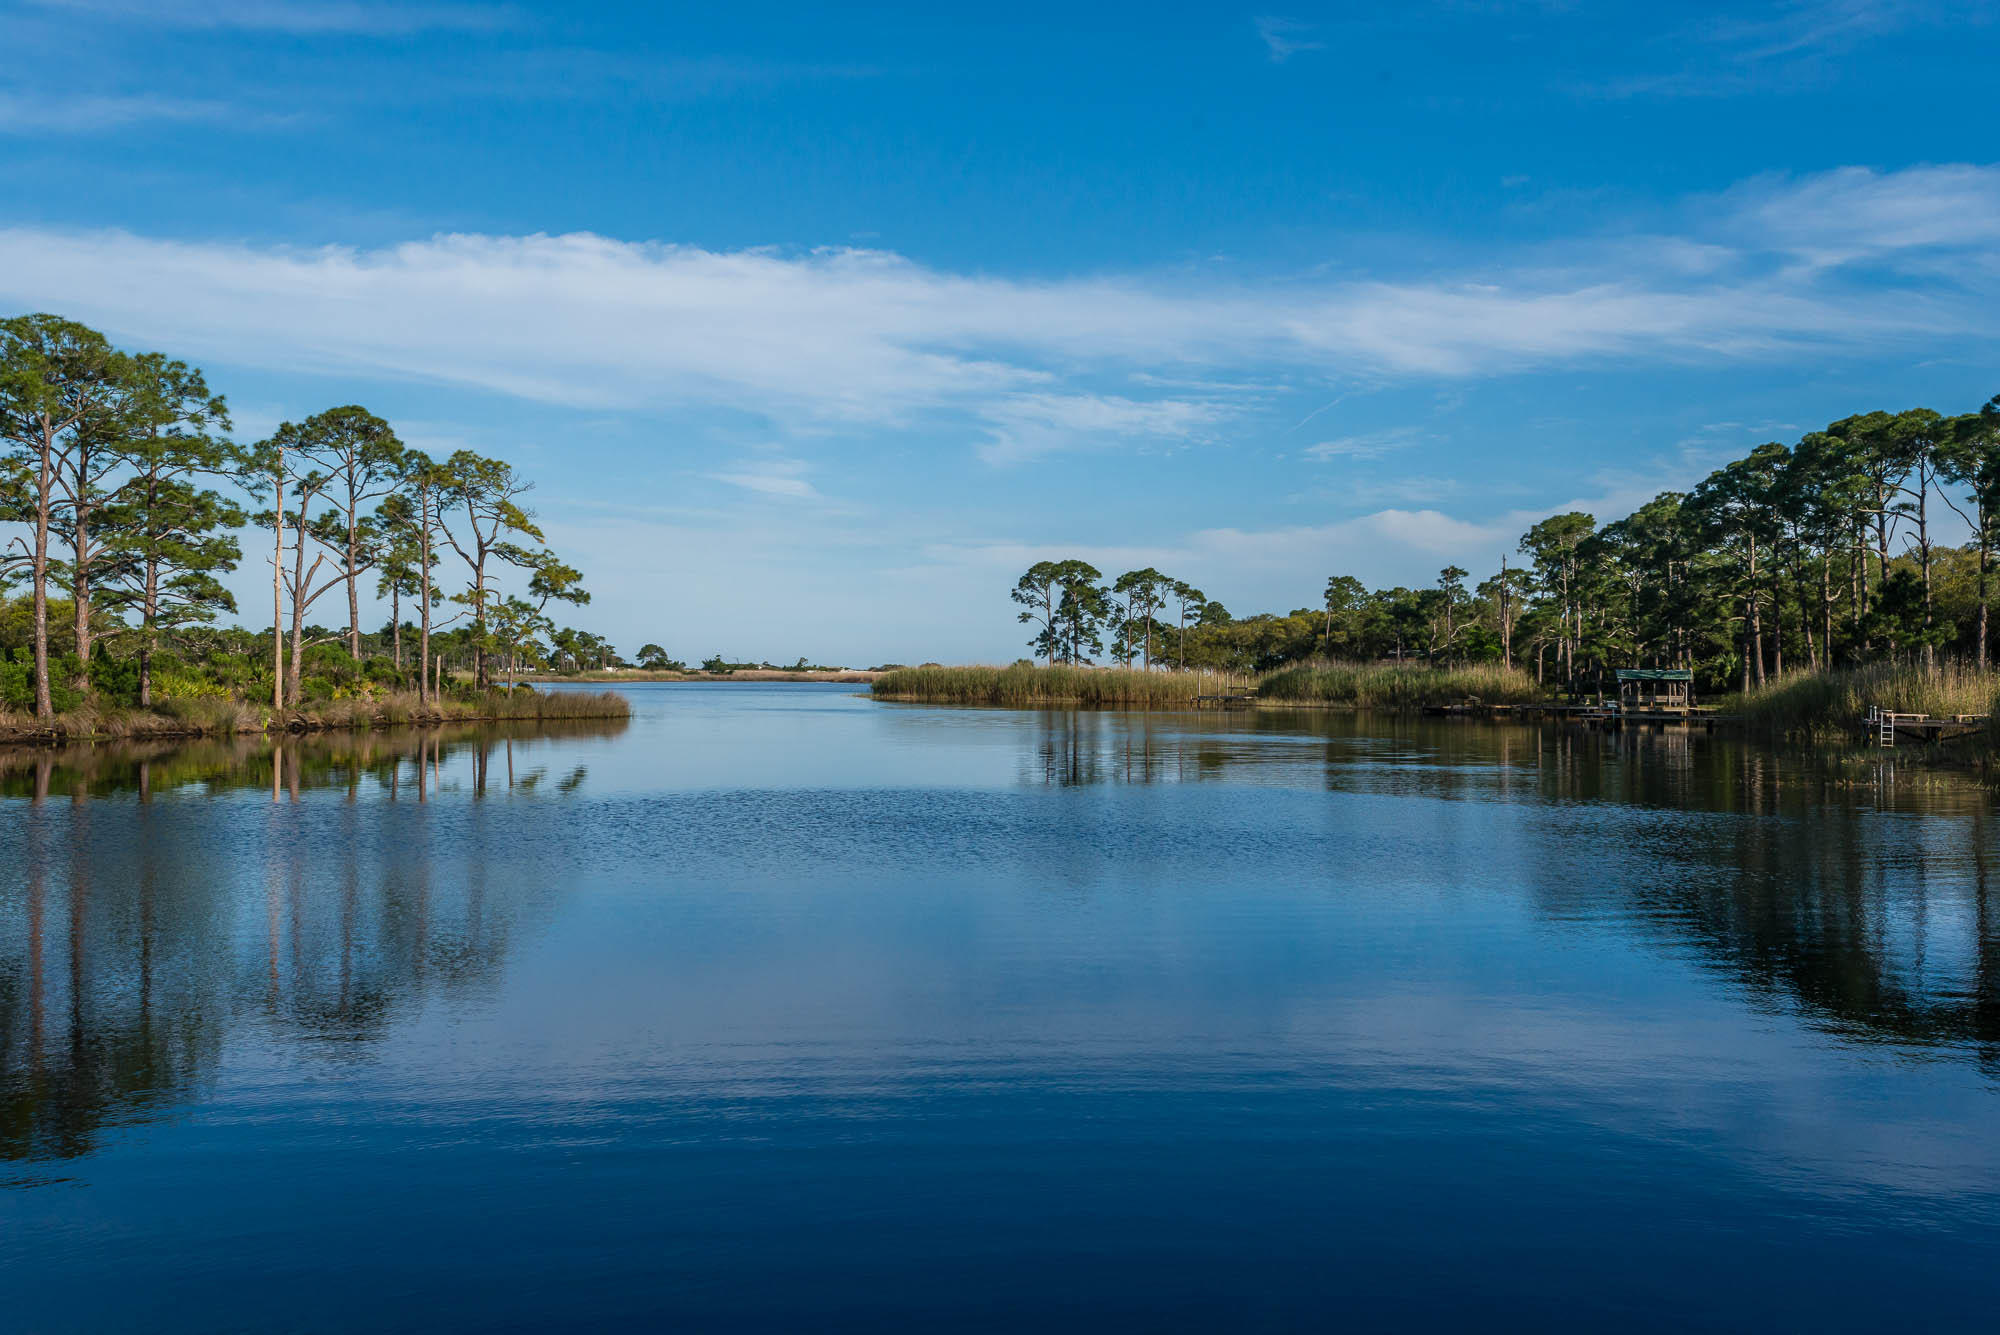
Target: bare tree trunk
{"points": [[1857, 578], [479, 623], [424, 596], [44, 700], [278, 593], [353, 578], [81, 511], [79, 592], [1806, 627], [149, 614], [1756, 614], [295, 669], [1882, 559], [1746, 647], [1985, 564], [1924, 561]]}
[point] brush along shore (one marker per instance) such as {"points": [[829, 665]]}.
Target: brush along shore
{"points": [[849, 676], [209, 717], [1356, 686], [1809, 706], [1799, 706]]}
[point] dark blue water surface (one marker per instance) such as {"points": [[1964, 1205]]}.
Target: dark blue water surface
{"points": [[780, 1008]]}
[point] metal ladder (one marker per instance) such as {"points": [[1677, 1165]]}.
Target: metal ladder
{"points": [[1885, 726]]}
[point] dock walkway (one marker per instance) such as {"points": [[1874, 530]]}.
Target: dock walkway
{"points": [[1591, 715], [1883, 727]]}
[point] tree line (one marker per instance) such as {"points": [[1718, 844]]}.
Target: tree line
{"points": [[130, 500], [1816, 554]]}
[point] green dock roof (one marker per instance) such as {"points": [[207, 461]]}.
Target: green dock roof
{"points": [[1655, 674]]}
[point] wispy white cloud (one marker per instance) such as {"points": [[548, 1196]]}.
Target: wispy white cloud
{"points": [[1369, 445], [1024, 426], [837, 338], [1805, 26], [771, 477], [69, 113], [1859, 214], [1796, 43], [298, 17], [577, 73], [1284, 38]]}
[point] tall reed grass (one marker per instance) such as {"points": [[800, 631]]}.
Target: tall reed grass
{"points": [[522, 704], [1808, 705], [174, 717], [201, 716], [1400, 686], [1025, 684]]}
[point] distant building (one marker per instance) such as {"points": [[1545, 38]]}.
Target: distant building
{"points": [[1655, 690]]}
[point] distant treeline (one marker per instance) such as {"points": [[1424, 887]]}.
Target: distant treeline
{"points": [[123, 499], [1818, 554]]}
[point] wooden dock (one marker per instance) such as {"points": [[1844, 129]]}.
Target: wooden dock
{"points": [[1590, 715], [1241, 700], [1885, 727]]}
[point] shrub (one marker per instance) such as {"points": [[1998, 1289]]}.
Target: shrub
{"points": [[1026, 684], [17, 682], [1809, 705], [1400, 685]]}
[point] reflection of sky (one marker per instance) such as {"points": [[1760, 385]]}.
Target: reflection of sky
{"points": [[788, 965]]}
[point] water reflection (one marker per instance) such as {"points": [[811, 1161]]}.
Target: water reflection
{"points": [[147, 926], [145, 930], [1860, 892], [400, 763]]}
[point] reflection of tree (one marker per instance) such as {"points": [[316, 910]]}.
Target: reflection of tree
{"points": [[1838, 889], [100, 1013], [393, 760], [1858, 915], [144, 931], [1080, 747]]}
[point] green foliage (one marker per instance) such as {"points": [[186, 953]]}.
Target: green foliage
{"points": [[131, 455], [1401, 686], [1823, 706], [1027, 684], [17, 681]]}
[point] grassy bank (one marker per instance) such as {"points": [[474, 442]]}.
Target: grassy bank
{"points": [[209, 717], [1829, 706], [1356, 686], [1400, 686], [1023, 684], [850, 676]]}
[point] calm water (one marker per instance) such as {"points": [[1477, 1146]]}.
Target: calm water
{"points": [[779, 1008]]}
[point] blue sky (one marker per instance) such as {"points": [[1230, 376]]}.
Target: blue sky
{"points": [[816, 325]]}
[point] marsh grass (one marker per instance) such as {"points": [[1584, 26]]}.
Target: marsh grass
{"points": [[201, 716], [521, 705], [1026, 684], [1353, 685], [171, 717], [1400, 686], [1821, 706]]}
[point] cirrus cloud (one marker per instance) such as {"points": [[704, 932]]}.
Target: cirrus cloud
{"points": [[840, 338]]}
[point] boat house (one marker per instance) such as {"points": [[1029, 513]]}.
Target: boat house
{"points": [[1655, 690]]}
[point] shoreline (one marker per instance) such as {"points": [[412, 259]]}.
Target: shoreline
{"points": [[237, 718], [747, 677], [292, 728]]}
